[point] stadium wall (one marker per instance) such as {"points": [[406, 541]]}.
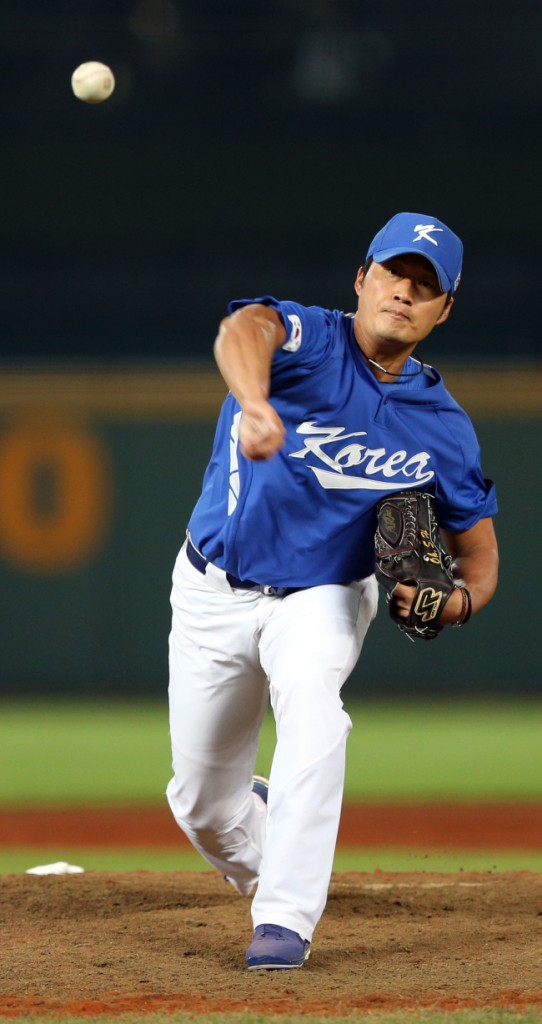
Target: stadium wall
{"points": [[98, 473]]}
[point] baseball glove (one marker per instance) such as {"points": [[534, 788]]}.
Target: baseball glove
{"points": [[409, 549]]}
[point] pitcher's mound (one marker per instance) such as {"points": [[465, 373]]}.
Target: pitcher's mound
{"points": [[145, 941]]}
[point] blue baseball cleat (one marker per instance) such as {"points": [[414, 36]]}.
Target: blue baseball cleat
{"points": [[275, 948]]}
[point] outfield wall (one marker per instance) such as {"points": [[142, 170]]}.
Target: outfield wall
{"points": [[98, 474]]}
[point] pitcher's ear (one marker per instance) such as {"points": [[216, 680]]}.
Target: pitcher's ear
{"points": [[446, 311], [358, 283]]}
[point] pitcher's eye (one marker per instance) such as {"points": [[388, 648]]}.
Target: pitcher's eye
{"points": [[430, 284]]}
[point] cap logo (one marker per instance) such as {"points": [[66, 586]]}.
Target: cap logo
{"points": [[424, 233]]}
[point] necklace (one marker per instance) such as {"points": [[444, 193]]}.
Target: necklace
{"points": [[382, 369], [390, 372]]}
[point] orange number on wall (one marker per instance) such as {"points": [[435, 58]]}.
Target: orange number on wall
{"points": [[54, 495]]}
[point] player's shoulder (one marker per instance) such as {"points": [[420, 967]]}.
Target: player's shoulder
{"points": [[453, 416], [433, 381], [285, 306], [426, 393], [318, 329], [447, 397], [312, 320]]}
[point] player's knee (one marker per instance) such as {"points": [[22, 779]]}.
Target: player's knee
{"points": [[194, 810], [213, 837], [202, 828]]}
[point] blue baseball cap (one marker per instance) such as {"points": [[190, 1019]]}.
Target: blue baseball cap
{"points": [[427, 236]]}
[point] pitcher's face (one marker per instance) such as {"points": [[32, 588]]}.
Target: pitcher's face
{"points": [[400, 300]]}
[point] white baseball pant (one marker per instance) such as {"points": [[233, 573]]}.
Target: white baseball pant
{"points": [[231, 652]]}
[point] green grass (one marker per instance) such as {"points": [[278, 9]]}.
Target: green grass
{"points": [[117, 752], [459, 750], [17, 860], [83, 753]]}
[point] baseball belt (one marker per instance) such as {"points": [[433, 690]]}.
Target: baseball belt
{"points": [[200, 563]]}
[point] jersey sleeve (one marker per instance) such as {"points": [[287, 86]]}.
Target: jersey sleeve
{"points": [[463, 494], [472, 503], [310, 333]]}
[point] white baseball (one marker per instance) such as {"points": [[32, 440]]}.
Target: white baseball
{"points": [[93, 82]]}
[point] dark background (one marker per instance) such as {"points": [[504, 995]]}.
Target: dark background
{"points": [[248, 148], [255, 147]]}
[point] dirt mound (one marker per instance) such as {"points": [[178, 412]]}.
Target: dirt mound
{"points": [[145, 941]]}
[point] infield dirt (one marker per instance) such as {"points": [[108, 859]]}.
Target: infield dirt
{"points": [[421, 826], [144, 941]]}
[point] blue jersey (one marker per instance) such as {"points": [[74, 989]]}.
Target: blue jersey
{"points": [[307, 515]]}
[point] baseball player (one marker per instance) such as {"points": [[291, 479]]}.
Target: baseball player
{"points": [[274, 588]]}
